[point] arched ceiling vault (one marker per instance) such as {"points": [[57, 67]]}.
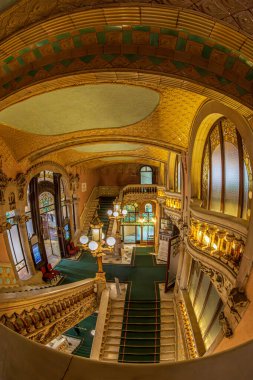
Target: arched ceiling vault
{"points": [[166, 127], [185, 54]]}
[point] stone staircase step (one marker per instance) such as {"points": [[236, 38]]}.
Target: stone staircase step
{"points": [[168, 357], [110, 356], [113, 340], [114, 333]]}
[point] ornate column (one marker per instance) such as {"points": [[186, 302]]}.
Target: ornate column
{"points": [[4, 227], [182, 253], [21, 220], [185, 271], [117, 247], [58, 213], [157, 226], [76, 210], [70, 214]]}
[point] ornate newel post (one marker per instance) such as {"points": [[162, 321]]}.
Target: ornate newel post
{"points": [[97, 246]]}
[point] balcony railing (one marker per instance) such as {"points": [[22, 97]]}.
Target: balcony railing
{"points": [[173, 201], [140, 189], [218, 236], [45, 314]]}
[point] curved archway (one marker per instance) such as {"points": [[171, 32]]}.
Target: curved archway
{"points": [[209, 113]]}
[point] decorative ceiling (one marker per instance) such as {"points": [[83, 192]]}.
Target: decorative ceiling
{"points": [[109, 147], [236, 13], [81, 108], [203, 46], [168, 127]]}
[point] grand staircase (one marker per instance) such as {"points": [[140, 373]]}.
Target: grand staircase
{"points": [[168, 330], [105, 204], [89, 216], [112, 335], [140, 339]]}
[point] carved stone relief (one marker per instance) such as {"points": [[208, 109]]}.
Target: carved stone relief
{"points": [[21, 182]]}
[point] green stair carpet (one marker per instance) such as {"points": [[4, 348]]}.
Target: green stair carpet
{"points": [[105, 204], [140, 337], [142, 300], [86, 338]]}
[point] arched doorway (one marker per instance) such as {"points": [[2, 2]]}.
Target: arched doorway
{"points": [[50, 230]]}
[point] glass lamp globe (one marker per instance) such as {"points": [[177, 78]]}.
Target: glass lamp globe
{"points": [[124, 212], [110, 241], [84, 239], [93, 245], [109, 212], [115, 214]]}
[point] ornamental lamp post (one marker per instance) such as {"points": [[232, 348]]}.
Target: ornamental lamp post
{"points": [[97, 245], [117, 215]]}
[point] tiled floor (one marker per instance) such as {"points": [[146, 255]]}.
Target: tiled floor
{"points": [[125, 259]]}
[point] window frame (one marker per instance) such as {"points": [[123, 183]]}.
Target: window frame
{"points": [[240, 149]]}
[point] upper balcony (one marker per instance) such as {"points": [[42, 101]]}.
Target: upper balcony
{"points": [[217, 240]]}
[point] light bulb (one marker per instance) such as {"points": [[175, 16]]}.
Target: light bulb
{"points": [[110, 241], [115, 214], [109, 212], [93, 245], [84, 239], [124, 212]]}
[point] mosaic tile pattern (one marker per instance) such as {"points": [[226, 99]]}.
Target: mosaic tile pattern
{"points": [[140, 48], [236, 13]]}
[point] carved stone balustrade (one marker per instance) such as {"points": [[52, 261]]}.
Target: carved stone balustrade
{"points": [[173, 203], [132, 193], [7, 276], [45, 314], [217, 241]]}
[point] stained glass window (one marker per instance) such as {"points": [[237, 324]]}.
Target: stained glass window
{"points": [[46, 201], [205, 177], [226, 184], [232, 177], [216, 180]]}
